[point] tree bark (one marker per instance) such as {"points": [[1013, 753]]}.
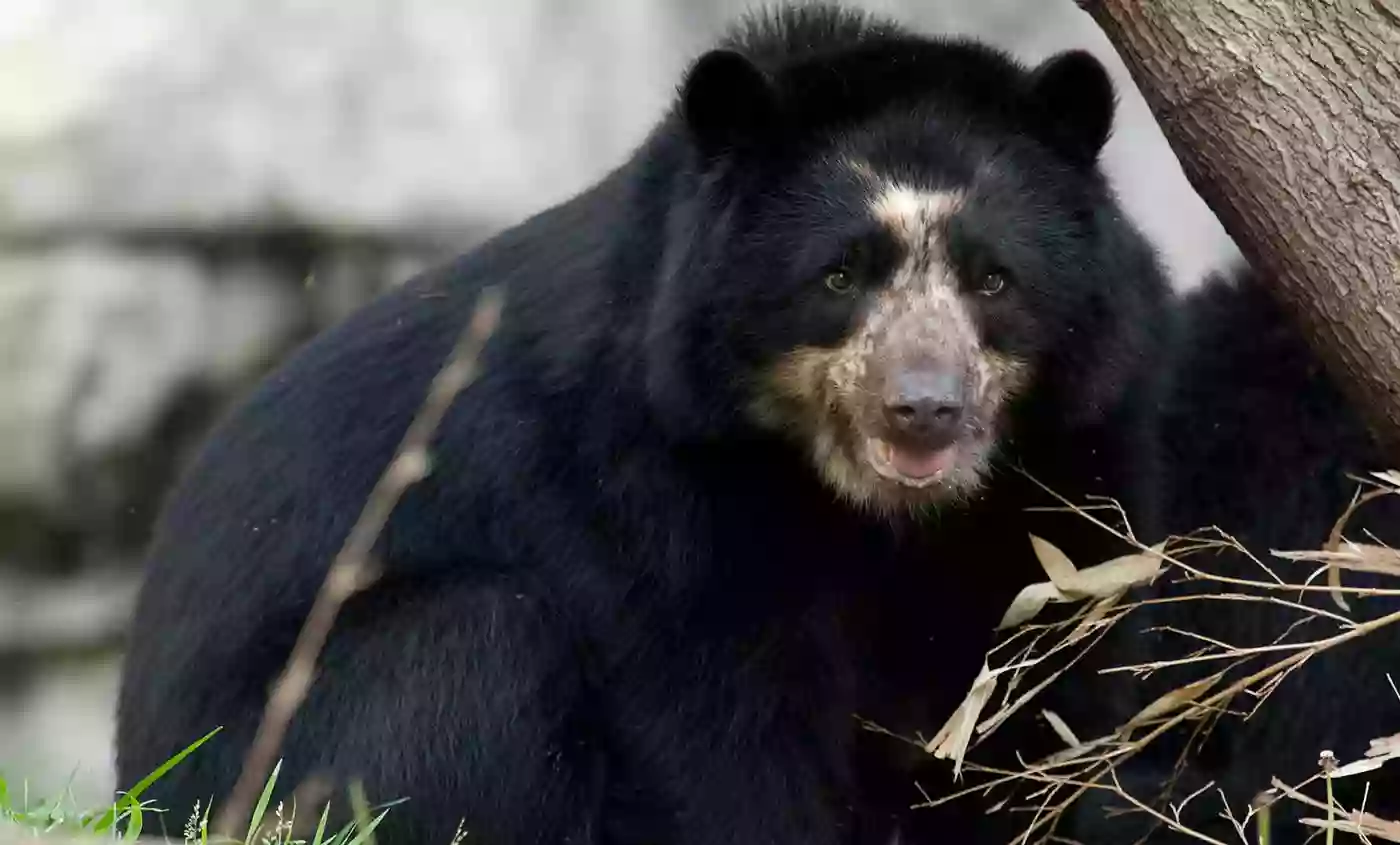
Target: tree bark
{"points": [[1285, 115]]}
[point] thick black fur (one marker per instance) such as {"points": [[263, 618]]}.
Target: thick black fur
{"points": [[617, 611], [1260, 442]]}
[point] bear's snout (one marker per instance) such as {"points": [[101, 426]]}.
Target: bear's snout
{"points": [[923, 404]]}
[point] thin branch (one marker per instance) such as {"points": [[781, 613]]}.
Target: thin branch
{"points": [[352, 570], [1085, 766]]}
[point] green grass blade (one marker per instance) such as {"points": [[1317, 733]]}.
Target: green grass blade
{"points": [[133, 795], [263, 800], [133, 827], [366, 836], [319, 838]]}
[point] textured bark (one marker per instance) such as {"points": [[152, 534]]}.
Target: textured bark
{"points": [[1286, 117]]}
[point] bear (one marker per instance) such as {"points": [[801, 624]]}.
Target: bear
{"points": [[750, 463], [1260, 442]]}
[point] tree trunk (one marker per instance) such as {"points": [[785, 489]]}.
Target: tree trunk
{"points": [[1285, 115]]}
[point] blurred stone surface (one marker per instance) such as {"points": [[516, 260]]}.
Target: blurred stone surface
{"points": [[395, 115], [56, 728], [94, 340], [188, 189]]}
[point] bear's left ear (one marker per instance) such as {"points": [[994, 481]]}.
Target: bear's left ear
{"points": [[727, 102], [1074, 102]]}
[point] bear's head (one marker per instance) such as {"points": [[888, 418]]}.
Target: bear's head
{"points": [[885, 245]]}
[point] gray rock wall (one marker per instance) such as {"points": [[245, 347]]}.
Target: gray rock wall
{"points": [[187, 189]]}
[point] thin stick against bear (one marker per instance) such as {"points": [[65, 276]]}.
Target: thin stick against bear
{"points": [[353, 569]]}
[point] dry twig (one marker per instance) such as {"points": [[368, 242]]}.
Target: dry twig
{"points": [[353, 570], [1086, 764]]}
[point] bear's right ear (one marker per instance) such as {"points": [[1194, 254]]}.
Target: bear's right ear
{"points": [[727, 102]]}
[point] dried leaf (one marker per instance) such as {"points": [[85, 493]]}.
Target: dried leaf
{"points": [[1172, 701], [1107, 581], [1075, 752], [1101, 608], [1060, 728], [1358, 767], [1390, 477], [1096, 614], [1356, 823], [1115, 576], [1382, 751], [1388, 746], [1371, 558], [1056, 563], [1029, 602], [1358, 557], [952, 739], [1334, 580]]}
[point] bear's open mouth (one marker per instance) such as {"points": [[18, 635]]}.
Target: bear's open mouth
{"points": [[912, 467]]}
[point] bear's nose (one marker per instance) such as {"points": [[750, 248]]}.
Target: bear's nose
{"points": [[926, 406]]}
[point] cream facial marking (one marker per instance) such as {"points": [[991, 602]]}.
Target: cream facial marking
{"points": [[918, 219], [922, 307], [835, 399], [913, 213]]}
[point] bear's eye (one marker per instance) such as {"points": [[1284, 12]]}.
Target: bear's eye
{"points": [[839, 281], [992, 283]]}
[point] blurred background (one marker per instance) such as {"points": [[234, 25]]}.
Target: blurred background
{"points": [[188, 189]]}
